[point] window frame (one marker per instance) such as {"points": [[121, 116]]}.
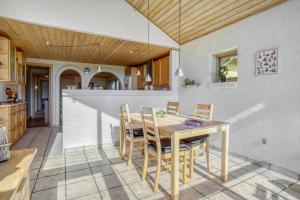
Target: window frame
{"points": [[218, 57]]}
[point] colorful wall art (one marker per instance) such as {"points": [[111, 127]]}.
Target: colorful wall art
{"points": [[266, 62]]}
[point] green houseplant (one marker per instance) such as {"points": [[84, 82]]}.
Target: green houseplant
{"points": [[222, 72], [161, 112]]}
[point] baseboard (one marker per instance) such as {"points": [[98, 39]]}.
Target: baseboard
{"points": [[264, 164]]}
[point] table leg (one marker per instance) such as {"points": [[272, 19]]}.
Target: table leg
{"points": [[225, 145], [121, 136], [175, 168]]}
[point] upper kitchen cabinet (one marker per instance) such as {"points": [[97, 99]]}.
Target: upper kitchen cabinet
{"points": [[4, 59], [141, 77], [20, 68], [12, 63], [160, 73]]}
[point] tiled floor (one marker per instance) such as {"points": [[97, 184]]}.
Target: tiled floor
{"points": [[99, 173]]}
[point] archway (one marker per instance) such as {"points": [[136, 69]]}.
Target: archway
{"points": [[68, 79], [104, 81]]}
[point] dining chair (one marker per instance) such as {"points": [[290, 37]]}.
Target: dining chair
{"points": [[173, 108], [203, 112], [159, 148], [131, 134]]}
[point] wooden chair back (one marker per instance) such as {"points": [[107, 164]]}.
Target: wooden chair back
{"points": [[173, 108], [204, 111], [150, 126], [125, 118]]}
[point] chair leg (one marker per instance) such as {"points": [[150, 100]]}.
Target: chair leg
{"points": [[155, 187], [207, 154], [184, 168], [191, 161], [130, 153], [123, 148], [146, 160], [142, 148]]}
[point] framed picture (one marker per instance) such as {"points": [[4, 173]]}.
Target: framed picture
{"points": [[266, 62]]}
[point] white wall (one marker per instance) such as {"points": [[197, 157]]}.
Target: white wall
{"points": [[91, 117], [260, 107], [113, 18], [60, 66]]}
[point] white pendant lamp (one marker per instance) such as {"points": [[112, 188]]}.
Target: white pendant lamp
{"points": [[99, 69], [148, 78], [179, 71], [138, 72], [99, 66]]}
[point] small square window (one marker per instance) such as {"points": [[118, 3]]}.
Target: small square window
{"points": [[229, 60]]}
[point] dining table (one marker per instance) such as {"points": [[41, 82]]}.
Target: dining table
{"points": [[174, 127]]}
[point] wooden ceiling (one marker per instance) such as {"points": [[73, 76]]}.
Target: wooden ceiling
{"points": [[32, 40], [198, 17]]}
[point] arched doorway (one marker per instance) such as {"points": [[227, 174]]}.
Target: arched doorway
{"points": [[69, 79], [104, 81]]}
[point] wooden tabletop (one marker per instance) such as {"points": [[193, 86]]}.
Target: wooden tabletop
{"points": [[174, 124], [12, 171]]}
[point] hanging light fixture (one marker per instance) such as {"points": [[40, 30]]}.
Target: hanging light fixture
{"points": [[148, 78], [99, 66], [179, 71], [138, 72]]}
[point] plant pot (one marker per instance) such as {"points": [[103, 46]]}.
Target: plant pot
{"points": [[223, 78]]}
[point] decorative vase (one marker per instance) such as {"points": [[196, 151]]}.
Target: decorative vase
{"points": [[223, 78]]}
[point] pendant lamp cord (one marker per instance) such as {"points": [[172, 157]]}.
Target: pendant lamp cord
{"points": [[99, 52], [148, 32], [179, 31]]}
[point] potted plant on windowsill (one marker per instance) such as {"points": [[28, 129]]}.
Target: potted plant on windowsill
{"points": [[222, 72]]}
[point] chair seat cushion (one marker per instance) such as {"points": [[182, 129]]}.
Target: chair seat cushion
{"points": [[166, 146], [137, 132], [194, 141]]}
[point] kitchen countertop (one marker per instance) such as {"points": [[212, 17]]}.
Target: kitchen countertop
{"points": [[13, 171], [12, 104]]}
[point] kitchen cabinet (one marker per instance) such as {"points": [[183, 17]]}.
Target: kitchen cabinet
{"points": [[12, 63], [141, 78], [13, 117], [4, 59], [160, 72], [21, 68]]}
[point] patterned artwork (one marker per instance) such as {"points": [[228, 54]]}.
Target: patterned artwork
{"points": [[266, 62]]}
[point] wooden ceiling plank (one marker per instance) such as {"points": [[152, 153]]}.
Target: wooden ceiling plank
{"points": [[192, 17], [229, 19], [32, 38], [162, 9], [185, 11], [200, 16], [217, 18], [232, 9]]}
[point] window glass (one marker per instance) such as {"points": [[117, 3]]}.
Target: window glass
{"points": [[230, 60]]}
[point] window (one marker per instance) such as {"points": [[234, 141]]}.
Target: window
{"points": [[229, 61]]}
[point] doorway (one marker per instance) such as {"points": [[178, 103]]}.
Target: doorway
{"points": [[69, 79], [37, 95]]}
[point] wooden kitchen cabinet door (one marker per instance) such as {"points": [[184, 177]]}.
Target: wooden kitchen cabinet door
{"points": [[164, 76], [156, 73], [141, 78]]}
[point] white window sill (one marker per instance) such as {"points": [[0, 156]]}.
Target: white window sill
{"points": [[223, 85]]}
